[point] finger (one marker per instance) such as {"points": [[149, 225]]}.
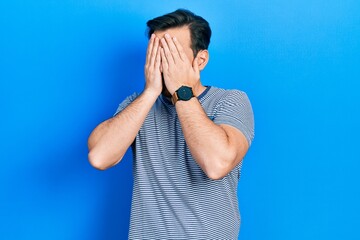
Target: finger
{"points": [[164, 63], [168, 56], [180, 49], [154, 51], [173, 50], [149, 48], [158, 59]]}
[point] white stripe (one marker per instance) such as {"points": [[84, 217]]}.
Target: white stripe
{"points": [[172, 196]]}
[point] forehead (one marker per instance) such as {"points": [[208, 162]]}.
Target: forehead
{"points": [[181, 33]]}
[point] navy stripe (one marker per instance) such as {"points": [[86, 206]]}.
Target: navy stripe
{"points": [[172, 197]]}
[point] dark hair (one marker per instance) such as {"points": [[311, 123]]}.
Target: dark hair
{"points": [[200, 31]]}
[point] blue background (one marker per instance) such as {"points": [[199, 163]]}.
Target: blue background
{"points": [[66, 65]]}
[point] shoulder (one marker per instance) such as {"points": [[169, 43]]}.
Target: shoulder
{"points": [[234, 109], [222, 95], [130, 98], [133, 96], [126, 102]]}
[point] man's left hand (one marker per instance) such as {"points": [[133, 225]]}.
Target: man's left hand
{"points": [[176, 67]]}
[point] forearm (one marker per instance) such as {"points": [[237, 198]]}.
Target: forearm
{"points": [[111, 139], [208, 142]]}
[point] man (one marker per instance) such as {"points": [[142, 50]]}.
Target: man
{"points": [[188, 139]]}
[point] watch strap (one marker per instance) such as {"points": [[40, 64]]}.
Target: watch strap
{"points": [[174, 98]]}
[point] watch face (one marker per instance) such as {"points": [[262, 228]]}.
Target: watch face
{"points": [[185, 93]]}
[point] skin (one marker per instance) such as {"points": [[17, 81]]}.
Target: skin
{"points": [[188, 73], [170, 64]]}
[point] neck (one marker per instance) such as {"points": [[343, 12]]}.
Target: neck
{"points": [[198, 89]]}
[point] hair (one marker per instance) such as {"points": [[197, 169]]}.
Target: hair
{"points": [[200, 31]]}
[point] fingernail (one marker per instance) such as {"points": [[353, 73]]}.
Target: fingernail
{"points": [[167, 35], [174, 38]]}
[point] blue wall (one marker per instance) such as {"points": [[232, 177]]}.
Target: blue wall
{"points": [[65, 66]]}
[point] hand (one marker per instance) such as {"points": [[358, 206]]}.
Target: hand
{"points": [[176, 67], [152, 66]]}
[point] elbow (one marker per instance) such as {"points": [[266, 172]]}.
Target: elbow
{"points": [[216, 174], [219, 168], [97, 161]]}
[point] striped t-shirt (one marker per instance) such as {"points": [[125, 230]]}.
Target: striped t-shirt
{"points": [[172, 197]]}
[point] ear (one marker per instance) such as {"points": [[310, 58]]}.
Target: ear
{"points": [[203, 58]]}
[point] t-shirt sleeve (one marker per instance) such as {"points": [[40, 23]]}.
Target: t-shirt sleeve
{"points": [[126, 103], [235, 110]]}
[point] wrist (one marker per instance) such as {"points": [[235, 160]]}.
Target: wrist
{"points": [[183, 93], [174, 89], [151, 93]]}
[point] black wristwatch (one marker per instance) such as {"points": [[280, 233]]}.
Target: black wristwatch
{"points": [[184, 93]]}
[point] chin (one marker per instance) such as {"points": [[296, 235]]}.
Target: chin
{"points": [[165, 92]]}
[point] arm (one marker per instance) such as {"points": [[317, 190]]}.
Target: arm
{"points": [[216, 148], [110, 140]]}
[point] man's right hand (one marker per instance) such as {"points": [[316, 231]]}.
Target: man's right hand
{"points": [[152, 66]]}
